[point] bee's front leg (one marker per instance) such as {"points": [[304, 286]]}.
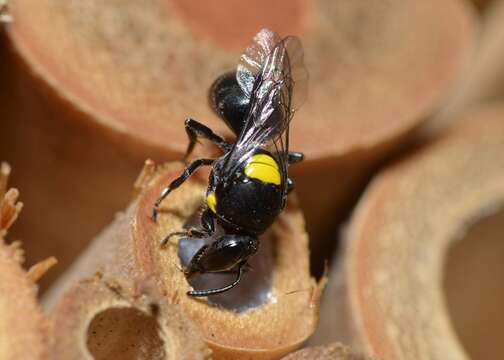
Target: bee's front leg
{"points": [[206, 230], [188, 171]]}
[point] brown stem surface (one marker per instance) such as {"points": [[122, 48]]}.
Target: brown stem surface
{"points": [[335, 351], [96, 87], [99, 319], [24, 331], [129, 250], [483, 81], [400, 235]]}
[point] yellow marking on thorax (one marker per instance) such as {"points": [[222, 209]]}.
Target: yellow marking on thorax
{"points": [[264, 168], [212, 202]]}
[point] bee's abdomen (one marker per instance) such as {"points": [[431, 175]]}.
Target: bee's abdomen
{"points": [[264, 168], [251, 205]]}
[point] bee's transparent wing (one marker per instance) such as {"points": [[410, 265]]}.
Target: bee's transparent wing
{"points": [[253, 60], [279, 89], [278, 79], [298, 74]]}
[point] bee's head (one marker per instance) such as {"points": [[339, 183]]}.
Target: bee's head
{"points": [[229, 102]]}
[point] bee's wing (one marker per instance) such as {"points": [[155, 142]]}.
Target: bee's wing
{"points": [[253, 59], [253, 63], [278, 77]]}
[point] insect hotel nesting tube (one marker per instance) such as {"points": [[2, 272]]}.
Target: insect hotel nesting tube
{"points": [[104, 85], [373, 82], [246, 192], [419, 283], [129, 251], [23, 327]]}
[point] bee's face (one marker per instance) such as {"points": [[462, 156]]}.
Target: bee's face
{"points": [[229, 102]]}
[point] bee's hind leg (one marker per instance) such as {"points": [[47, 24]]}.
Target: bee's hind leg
{"points": [[295, 157]]}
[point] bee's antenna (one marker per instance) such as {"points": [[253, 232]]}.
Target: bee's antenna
{"points": [[296, 291]]}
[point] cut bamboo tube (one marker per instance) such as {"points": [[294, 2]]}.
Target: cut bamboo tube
{"points": [[402, 231], [480, 84], [483, 5], [474, 289], [99, 319], [484, 78], [130, 249], [24, 331], [95, 87]]}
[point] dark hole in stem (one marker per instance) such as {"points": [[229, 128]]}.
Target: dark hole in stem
{"points": [[124, 333], [474, 288]]}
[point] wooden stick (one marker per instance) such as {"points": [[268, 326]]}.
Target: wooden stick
{"points": [[96, 87], [401, 233], [129, 250]]}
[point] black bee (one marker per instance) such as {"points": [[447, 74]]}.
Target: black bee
{"points": [[248, 185]]}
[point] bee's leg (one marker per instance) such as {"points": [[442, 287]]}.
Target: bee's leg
{"points": [[290, 185], [207, 221], [295, 157], [198, 233], [194, 265], [207, 229], [200, 293], [247, 267], [167, 238], [195, 129], [188, 171]]}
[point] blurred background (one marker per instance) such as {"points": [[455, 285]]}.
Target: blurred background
{"points": [[89, 90]]}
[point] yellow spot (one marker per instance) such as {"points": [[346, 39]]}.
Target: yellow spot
{"points": [[212, 202], [264, 168]]}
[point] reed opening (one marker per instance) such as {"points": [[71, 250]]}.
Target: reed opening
{"points": [[474, 288], [124, 333]]}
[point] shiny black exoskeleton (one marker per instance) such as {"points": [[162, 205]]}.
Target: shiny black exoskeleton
{"points": [[248, 185]]}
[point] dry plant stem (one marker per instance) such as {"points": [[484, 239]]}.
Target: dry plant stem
{"points": [[38, 270], [5, 17], [335, 351], [99, 319], [24, 331], [483, 82], [61, 159], [402, 229], [483, 5], [95, 87], [130, 249], [23, 328], [337, 321], [480, 84]]}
